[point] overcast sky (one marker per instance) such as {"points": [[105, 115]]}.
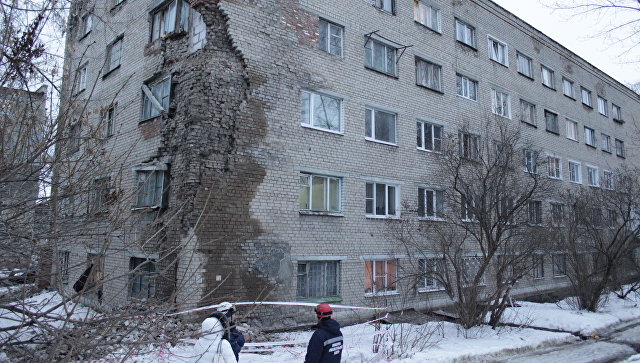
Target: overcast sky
{"points": [[579, 34]]}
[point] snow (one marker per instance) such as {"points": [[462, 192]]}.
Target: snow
{"points": [[412, 343]]}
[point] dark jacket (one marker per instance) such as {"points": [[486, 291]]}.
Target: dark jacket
{"points": [[236, 339], [325, 345]]}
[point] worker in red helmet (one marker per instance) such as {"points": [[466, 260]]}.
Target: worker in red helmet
{"points": [[325, 345]]}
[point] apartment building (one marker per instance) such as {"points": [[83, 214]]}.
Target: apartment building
{"points": [[260, 147]]}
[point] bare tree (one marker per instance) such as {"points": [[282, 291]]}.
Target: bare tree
{"points": [[600, 235], [482, 243]]}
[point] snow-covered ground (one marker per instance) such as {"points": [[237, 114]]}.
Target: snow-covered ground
{"points": [[409, 343]]}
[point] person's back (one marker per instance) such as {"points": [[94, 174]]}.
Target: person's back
{"points": [[211, 347], [325, 345]]}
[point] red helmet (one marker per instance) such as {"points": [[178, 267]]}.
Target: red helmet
{"points": [[323, 311]]}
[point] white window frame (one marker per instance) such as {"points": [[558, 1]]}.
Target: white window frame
{"points": [[593, 176], [554, 166], [81, 77], [370, 125], [114, 54], [389, 189], [467, 206], [427, 268], [568, 88], [553, 126], [326, 190], [424, 14], [616, 112], [424, 129], [530, 161], [430, 199], [432, 74], [577, 172], [465, 33], [329, 45], [590, 136], [308, 117], [572, 128], [390, 287], [501, 103], [530, 117], [585, 96], [466, 87], [525, 65], [605, 142], [110, 120], [603, 108], [498, 50], [390, 66], [607, 180], [548, 77]]}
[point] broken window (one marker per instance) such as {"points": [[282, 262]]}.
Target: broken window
{"points": [[150, 184], [380, 276], [317, 279], [381, 200], [114, 55], [380, 126], [330, 38], [321, 111], [170, 17], [142, 278], [380, 56], [156, 98], [319, 193]]}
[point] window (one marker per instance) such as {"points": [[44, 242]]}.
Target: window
{"points": [[465, 33], [525, 65], [530, 161], [559, 264], [63, 267], [321, 111], [572, 130], [156, 98], [551, 121], [606, 142], [318, 279], [602, 106], [95, 274], [100, 193], [528, 112], [380, 276], [379, 56], [428, 74], [567, 88], [586, 96], [616, 112], [142, 278], [548, 77], [429, 136], [554, 167], [467, 207], [114, 54], [612, 218], [557, 214], [110, 120], [471, 269], [87, 25], [505, 211], [538, 266], [81, 78], [596, 217], [430, 271], [427, 15], [589, 136], [620, 148], [117, 2], [386, 5], [501, 103], [575, 174], [330, 37], [150, 188], [381, 200], [466, 87], [75, 135], [498, 51], [469, 145], [169, 18], [320, 193], [607, 179], [534, 208], [593, 176], [380, 126], [430, 203]]}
